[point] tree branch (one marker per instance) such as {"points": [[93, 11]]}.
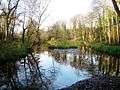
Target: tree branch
{"points": [[116, 7]]}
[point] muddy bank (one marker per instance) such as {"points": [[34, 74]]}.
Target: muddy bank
{"points": [[96, 83]]}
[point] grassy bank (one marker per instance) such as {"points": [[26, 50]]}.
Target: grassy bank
{"points": [[65, 44], [12, 51], [113, 50]]}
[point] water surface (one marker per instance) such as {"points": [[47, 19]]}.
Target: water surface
{"points": [[55, 69], [64, 73]]}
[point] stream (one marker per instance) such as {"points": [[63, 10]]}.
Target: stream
{"points": [[56, 69]]}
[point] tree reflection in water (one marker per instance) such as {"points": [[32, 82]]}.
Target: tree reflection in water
{"points": [[95, 64], [28, 74], [24, 74], [109, 65]]}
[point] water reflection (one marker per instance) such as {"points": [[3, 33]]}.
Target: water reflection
{"points": [[24, 74], [77, 59], [109, 65], [95, 64], [55, 69]]}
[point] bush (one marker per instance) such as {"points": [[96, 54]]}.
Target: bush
{"points": [[113, 50], [12, 51]]}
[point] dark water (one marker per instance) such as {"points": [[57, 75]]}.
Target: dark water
{"points": [[55, 69]]}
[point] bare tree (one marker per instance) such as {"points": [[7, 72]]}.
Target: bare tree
{"points": [[38, 9], [34, 10], [116, 7], [8, 12]]}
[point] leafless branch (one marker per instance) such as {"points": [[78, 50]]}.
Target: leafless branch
{"points": [[116, 7]]}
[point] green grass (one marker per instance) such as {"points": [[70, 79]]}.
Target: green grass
{"points": [[64, 44], [113, 50], [12, 51]]}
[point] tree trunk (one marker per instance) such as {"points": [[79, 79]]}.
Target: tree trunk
{"points": [[109, 32], [116, 7], [118, 39], [23, 35]]}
